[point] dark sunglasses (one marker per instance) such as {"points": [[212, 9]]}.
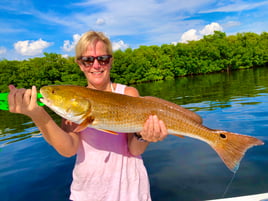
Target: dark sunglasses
{"points": [[89, 61]]}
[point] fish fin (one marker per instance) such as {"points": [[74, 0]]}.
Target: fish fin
{"points": [[108, 131], [181, 136], [80, 127], [84, 124], [231, 147], [188, 113]]}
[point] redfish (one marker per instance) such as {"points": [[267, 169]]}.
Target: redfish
{"points": [[121, 113]]}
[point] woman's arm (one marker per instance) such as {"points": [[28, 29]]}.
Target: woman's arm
{"points": [[23, 101]]}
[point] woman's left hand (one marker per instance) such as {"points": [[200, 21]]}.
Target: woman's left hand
{"points": [[154, 130]]}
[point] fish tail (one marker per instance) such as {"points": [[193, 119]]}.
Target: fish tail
{"points": [[231, 147]]}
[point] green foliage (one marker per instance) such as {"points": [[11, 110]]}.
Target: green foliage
{"points": [[47, 70], [216, 52]]}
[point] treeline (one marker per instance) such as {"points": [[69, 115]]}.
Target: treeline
{"points": [[213, 53], [40, 71]]}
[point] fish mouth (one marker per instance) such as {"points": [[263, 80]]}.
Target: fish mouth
{"points": [[45, 101], [56, 109]]}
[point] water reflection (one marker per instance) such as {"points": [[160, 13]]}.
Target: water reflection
{"points": [[216, 90], [11, 136], [17, 127]]}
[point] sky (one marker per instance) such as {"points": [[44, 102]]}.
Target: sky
{"points": [[28, 28]]}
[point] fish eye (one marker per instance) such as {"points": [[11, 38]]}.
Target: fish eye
{"points": [[223, 136]]}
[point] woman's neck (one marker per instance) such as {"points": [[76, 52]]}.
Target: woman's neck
{"points": [[105, 87]]}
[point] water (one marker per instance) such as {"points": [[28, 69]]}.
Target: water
{"points": [[179, 169]]}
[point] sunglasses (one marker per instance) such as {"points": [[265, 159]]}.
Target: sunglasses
{"points": [[89, 61]]}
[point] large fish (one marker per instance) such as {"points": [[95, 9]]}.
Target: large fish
{"points": [[126, 114]]}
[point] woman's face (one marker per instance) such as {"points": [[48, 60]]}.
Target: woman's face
{"points": [[96, 72]]}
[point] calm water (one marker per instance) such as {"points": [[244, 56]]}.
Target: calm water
{"points": [[179, 169]]}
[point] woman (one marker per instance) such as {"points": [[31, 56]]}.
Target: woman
{"points": [[108, 167]]}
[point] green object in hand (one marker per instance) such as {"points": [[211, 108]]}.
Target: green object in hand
{"points": [[4, 101]]}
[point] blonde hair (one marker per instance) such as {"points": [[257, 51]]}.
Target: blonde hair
{"points": [[92, 37]]}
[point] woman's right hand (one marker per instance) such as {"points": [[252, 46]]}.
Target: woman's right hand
{"points": [[23, 101], [154, 130]]}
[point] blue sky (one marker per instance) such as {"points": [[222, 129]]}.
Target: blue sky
{"points": [[29, 28]]}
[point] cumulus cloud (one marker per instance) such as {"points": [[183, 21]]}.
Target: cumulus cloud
{"points": [[193, 34], [189, 35], [31, 48], [210, 28], [3, 50], [68, 45], [119, 45]]}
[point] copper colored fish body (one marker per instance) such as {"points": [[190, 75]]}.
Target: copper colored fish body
{"points": [[126, 114]]}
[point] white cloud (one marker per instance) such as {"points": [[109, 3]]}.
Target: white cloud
{"points": [[192, 34], [119, 45], [189, 36], [210, 28], [3, 50], [31, 48], [65, 56], [69, 46]]}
